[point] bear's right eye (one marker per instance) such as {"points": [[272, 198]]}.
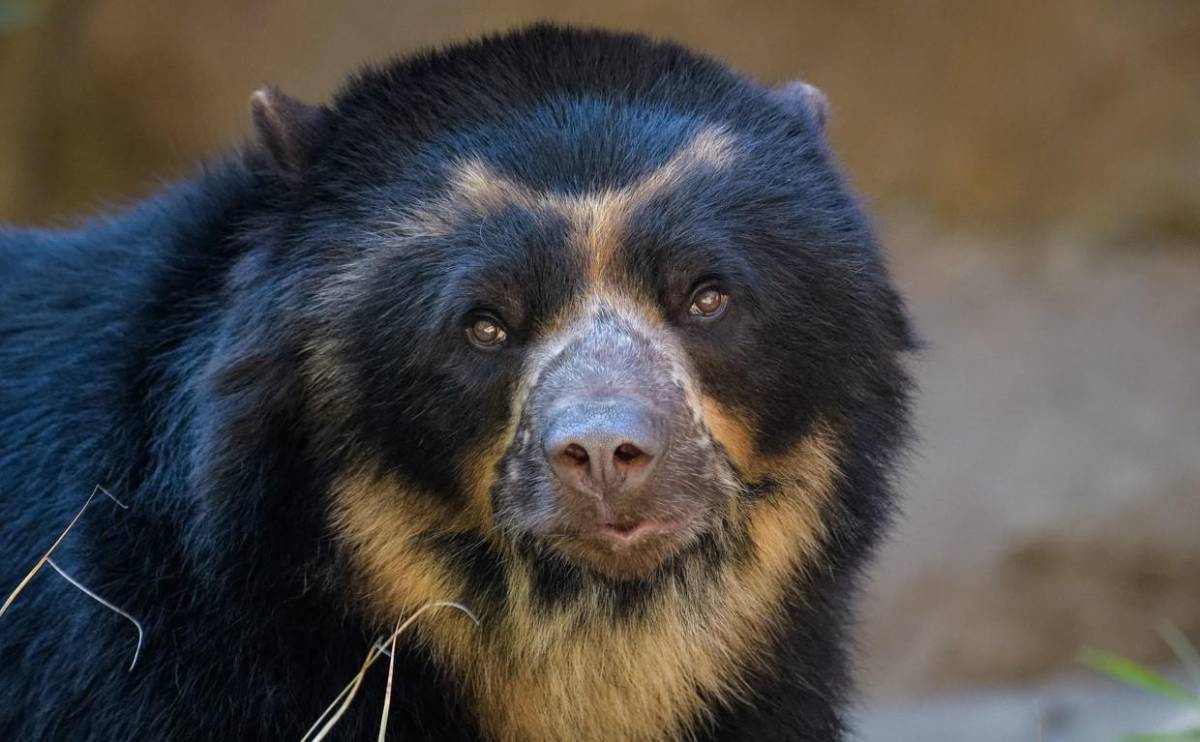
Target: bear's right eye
{"points": [[486, 332], [708, 302]]}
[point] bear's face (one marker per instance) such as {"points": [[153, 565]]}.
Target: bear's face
{"points": [[595, 330], [604, 351]]}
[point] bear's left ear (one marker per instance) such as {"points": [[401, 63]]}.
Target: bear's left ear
{"points": [[800, 98], [287, 129]]}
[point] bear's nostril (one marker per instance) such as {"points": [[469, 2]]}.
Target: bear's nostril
{"points": [[575, 454], [627, 453]]}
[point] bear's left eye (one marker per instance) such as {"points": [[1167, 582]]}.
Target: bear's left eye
{"points": [[486, 332], [708, 302]]}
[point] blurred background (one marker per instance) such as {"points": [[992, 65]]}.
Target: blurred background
{"points": [[1034, 167]]}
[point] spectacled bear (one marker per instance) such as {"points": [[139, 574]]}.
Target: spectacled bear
{"points": [[582, 331]]}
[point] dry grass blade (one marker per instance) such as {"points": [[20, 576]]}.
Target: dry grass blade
{"points": [[37, 567], [387, 696], [326, 721], [334, 712], [136, 624]]}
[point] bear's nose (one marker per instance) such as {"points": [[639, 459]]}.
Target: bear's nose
{"points": [[605, 446]]}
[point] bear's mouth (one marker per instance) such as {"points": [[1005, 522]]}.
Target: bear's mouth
{"points": [[626, 548]]}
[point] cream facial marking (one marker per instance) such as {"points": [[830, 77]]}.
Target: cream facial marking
{"points": [[475, 190]]}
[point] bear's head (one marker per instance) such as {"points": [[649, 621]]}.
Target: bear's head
{"points": [[593, 339]]}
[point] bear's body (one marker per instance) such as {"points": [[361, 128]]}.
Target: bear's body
{"points": [[248, 360]]}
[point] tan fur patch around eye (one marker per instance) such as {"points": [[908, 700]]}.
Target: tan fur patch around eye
{"points": [[600, 218], [711, 148], [783, 525], [474, 190], [734, 434], [597, 222], [382, 523], [790, 525], [484, 191]]}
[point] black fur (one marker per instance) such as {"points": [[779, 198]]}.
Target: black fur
{"points": [[159, 353]]}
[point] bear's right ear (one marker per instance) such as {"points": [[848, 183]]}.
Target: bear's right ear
{"points": [[287, 129]]}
